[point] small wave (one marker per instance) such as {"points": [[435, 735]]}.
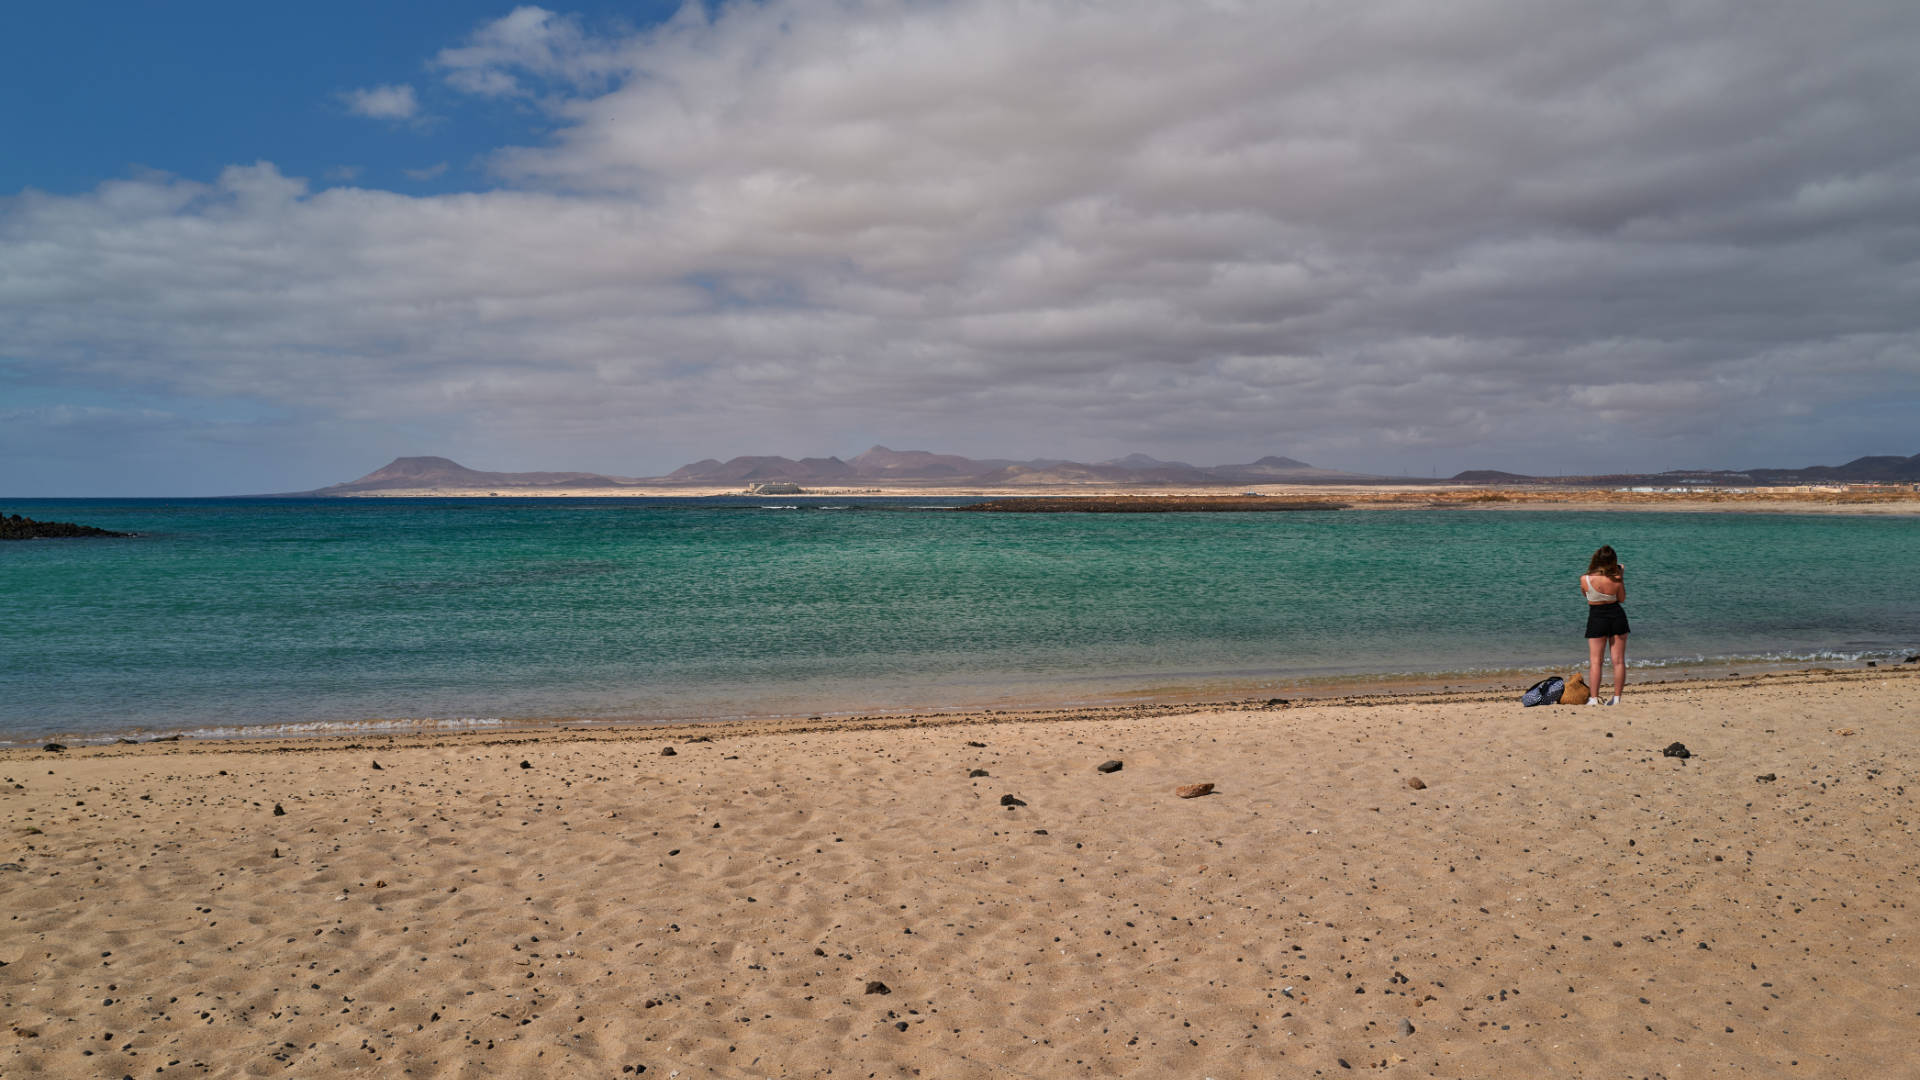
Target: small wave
{"points": [[293, 729]]}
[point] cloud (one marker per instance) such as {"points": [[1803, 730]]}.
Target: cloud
{"points": [[1535, 236], [431, 172], [528, 41], [395, 102]]}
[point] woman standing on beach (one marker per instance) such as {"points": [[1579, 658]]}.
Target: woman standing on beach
{"points": [[1605, 587]]}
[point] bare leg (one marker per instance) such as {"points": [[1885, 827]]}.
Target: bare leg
{"points": [[1619, 643], [1596, 648]]}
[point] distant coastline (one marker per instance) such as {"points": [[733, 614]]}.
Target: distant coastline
{"points": [[885, 472], [1809, 499]]}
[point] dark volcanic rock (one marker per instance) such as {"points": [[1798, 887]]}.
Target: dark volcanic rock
{"points": [[54, 747], [668, 751], [1010, 800], [1766, 778], [1678, 750], [977, 772], [1109, 766], [15, 527], [877, 987]]}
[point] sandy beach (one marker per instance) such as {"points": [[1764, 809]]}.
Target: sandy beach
{"points": [[1554, 897]]}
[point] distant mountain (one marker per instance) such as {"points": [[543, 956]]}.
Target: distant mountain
{"points": [[1865, 470], [1491, 476], [749, 470], [1142, 461], [428, 473], [879, 464], [885, 464]]}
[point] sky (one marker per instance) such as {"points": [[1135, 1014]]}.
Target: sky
{"points": [[268, 247]]}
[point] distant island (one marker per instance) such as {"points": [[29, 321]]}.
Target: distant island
{"points": [[15, 527], [905, 471], [880, 465]]}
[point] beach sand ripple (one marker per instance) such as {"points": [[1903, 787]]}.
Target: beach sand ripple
{"points": [[1559, 899]]}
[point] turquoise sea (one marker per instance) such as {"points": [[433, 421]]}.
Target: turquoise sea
{"points": [[275, 616]]}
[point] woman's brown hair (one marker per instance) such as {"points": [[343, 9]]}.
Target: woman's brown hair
{"points": [[1605, 562]]}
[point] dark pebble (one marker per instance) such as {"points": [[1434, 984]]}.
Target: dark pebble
{"points": [[526, 764], [1009, 800], [971, 743], [877, 987], [668, 751], [1678, 750], [977, 772], [1108, 766], [1766, 778], [54, 747], [279, 811]]}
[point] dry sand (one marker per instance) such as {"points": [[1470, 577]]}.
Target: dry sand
{"points": [[1560, 900]]}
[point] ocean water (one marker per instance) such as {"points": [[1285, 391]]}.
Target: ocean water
{"points": [[273, 616]]}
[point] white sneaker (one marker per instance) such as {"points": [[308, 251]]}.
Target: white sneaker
{"points": [[1595, 701], [1614, 700]]}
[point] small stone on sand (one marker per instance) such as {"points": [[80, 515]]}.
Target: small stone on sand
{"points": [[1416, 783], [1108, 766], [1193, 791]]}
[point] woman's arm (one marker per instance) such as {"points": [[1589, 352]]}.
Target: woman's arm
{"points": [[1622, 582]]}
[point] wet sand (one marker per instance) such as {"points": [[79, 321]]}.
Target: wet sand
{"points": [[1558, 898]]}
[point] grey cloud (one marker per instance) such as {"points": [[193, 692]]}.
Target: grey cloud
{"points": [[1535, 236]]}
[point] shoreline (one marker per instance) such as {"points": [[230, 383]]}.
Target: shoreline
{"points": [[1449, 885], [1856, 500], [1491, 687]]}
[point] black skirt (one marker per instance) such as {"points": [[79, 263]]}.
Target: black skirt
{"points": [[1606, 620]]}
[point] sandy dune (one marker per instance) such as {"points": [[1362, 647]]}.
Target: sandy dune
{"points": [[1560, 900]]}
